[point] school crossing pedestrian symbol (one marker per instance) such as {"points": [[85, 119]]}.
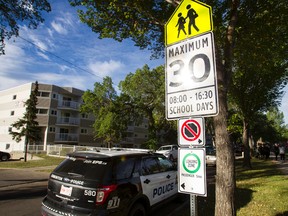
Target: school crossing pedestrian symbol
{"points": [[191, 18]]}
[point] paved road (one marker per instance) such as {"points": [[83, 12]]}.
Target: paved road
{"points": [[22, 190], [22, 200], [13, 177]]}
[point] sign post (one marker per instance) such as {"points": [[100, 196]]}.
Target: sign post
{"points": [[191, 90]]}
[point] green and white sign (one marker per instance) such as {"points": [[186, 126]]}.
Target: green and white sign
{"points": [[192, 171]]}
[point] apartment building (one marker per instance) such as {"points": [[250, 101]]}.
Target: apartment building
{"points": [[58, 117]]}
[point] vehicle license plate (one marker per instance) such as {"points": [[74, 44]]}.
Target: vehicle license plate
{"points": [[65, 190]]}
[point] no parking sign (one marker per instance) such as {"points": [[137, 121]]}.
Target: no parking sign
{"points": [[191, 132]]}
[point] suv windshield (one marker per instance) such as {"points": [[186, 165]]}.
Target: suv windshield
{"points": [[92, 169], [165, 148]]}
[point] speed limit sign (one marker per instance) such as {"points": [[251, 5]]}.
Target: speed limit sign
{"points": [[191, 84]]}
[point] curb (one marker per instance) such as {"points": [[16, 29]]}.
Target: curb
{"points": [[18, 185]]}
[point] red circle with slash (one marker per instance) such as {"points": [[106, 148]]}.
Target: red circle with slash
{"points": [[190, 130]]}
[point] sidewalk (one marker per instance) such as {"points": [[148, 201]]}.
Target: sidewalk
{"points": [[282, 165], [12, 177]]}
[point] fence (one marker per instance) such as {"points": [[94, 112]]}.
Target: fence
{"points": [[36, 149], [63, 150]]}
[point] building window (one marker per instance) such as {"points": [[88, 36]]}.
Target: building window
{"points": [[55, 96], [84, 131], [42, 111], [14, 97], [43, 94], [10, 129], [12, 113], [84, 115], [52, 129], [53, 112]]}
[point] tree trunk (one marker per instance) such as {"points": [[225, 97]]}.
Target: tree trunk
{"points": [[225, 167], [225, 174], [245, 139], [25, 149]]}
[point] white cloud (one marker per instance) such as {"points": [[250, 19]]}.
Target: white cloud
{"points": [[106, 68], [62, 25], [67, 19], [59, 28], [38, 42], [13, 52], [50, 32], [76, 81], [43, 55]]}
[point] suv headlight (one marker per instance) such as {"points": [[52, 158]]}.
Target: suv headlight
{"points": [[166, 153]]}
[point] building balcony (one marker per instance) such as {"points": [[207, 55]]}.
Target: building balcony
{"points": [[130, 128], [128, 140], [68, 121], [65, 104], [66, 137]]}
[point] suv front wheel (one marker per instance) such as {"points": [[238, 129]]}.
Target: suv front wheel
{"points": [[137, 210], [4, 158]]}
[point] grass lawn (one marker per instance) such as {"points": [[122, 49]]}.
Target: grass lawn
{"points": [[261, 191], [44, 161]]}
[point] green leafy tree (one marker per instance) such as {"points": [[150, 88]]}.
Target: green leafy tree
{"points": [[145, 97], [27, 126], [277, 120], [14, 12], [258, 86], [263, 128], [143, 22], [102, 103]]}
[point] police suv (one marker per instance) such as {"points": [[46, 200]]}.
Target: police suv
{"points": [[110, 182]]}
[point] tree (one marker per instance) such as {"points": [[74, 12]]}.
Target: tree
{"points": [[277, 121], [145, 97], [102, 103], [263, 128], [25, 12], [27, 127], [257, 87], [143, 21]]}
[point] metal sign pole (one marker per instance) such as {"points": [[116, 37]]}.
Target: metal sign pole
{"points": [[193, 205]]}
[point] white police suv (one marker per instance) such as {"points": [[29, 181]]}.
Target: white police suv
{"points": [[110, 182]]}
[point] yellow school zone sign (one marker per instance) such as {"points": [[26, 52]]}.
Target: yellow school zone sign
{"points": [[191, 18]]}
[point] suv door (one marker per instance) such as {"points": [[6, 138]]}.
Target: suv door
{"points": [[158, 178]]}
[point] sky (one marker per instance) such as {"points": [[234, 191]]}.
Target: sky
{"points": [[65, 52]]}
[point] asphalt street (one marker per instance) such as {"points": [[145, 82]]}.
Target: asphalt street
{"points": [[22, 181]]}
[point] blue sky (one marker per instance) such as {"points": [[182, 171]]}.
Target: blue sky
{"points": [[68, 53], [65, 52]]}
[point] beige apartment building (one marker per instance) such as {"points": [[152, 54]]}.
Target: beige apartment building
{"points": [[58, 117]]}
